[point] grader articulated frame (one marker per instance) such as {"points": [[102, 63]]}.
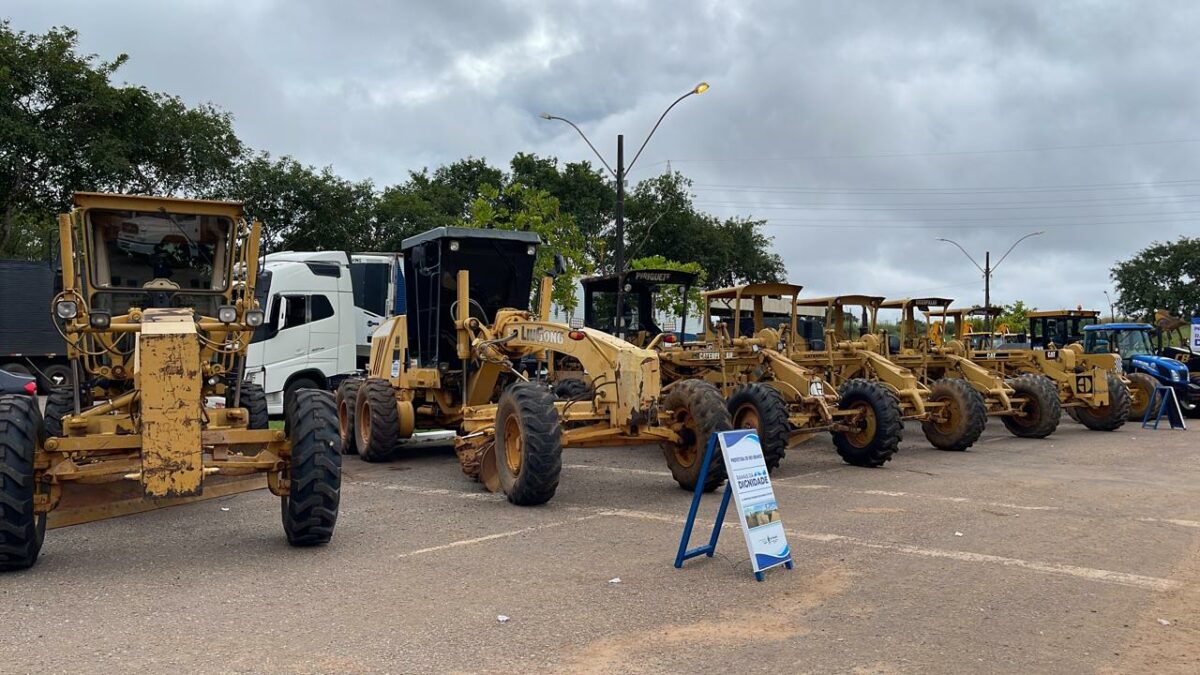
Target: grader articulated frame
{"points": [[951, 416], [1027, 404], [157, 310], [470, 355], [1090, 386]]}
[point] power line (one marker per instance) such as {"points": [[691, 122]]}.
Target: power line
{"points": [[1015, 219], [860, 225], [944, 190], [955, 206]]}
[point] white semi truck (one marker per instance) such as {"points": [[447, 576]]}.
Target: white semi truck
{"points": [[322, 308]]}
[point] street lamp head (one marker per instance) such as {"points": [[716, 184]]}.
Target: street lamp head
{"points": [[546, 116], [700, 88]]}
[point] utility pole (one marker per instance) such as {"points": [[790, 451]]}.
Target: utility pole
{"points": [[987, 270]]}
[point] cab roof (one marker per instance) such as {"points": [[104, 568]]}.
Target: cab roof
{"points": [[608, 282], [118, 202], [754, 290], [470, 233], [830, 301], [1117, 326], [922, 303], [1063, 312]]}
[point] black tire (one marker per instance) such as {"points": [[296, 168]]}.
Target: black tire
{"points": [[1110, 417], [699, 411], [1042, 408], [289, 392], [376, 420], [874, 444], [572, 389], [58, 376], [21, 530], [347, 399], [59, 404], [528, 444], [310, 510], [762, 408], [1141, 390], [254, 400], [966, 419]]}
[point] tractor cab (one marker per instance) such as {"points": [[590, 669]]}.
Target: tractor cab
{"points": [[1059, 327], [1134, 344], [642, 288], [1175, 340], [500, 263]]}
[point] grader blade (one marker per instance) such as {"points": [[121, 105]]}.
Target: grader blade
{"points": [[85, 503]]}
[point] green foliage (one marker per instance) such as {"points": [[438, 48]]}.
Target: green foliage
{"points": [[1015, 317], [670, 299], [64, 127], [1160, 276], [582, 191], [428, 200], [519, 207]]}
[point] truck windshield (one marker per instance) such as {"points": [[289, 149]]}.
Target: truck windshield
{"points": [[1124, 342]]}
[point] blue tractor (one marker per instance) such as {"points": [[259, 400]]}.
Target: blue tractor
{"points": [[1144, 367]]}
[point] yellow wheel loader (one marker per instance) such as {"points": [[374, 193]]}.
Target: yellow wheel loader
{"points": [[852, 357], [157, 308], [1090, 387], [1027, 404], [470, 356], [746, 357]]}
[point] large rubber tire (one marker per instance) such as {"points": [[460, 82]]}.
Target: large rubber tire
{"points": [[58, 375], [1194, 411], [1042, 408], [874, 444], [1110, 417], [347, 400], [254, 400], [572, 389], [699, 411], [528, 444], [967, 415], [1141, 389], [290, 391], [59, 404], [21, 530], [762, 408], [376, 420], [1073, 412], [310, 510]]}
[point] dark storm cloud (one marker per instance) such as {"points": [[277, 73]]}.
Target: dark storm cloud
{"points": [[845, 124]]}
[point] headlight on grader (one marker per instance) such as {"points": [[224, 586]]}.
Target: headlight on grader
{"points": [[227, 314], [100, 319], [254, 317], [66, 309]]}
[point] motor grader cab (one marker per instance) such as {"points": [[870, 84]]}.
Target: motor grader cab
{"points": [[853, 359], [1090, 387], [1027, 404], [1059, 327], [638, 297], [157, 307], [470, 355]]}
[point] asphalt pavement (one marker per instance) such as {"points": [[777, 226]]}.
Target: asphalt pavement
{"points": [[1079, 553]]}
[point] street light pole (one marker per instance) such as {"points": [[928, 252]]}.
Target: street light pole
{"points": [[987, 270], [619, 174]]}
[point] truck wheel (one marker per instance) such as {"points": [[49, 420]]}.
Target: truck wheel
{"points": [[1042, 408], [59, 404], [698, 411], [762, 408], [1111, 416], [311, 508], [347, 397], [376, 420], [877, 429], [58, 375], [254, 400], [21, 530], [528, 444], [1141, 390], [959, 424]]}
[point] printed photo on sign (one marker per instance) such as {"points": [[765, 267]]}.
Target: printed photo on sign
{"points": [[762, 514]]}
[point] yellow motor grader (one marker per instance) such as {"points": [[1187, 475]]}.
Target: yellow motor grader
{"points": [[1027, 404], [469, 355], [1090, 387], [852, 357], [745, 356], [157, 308]]}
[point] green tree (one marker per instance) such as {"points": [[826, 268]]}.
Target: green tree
{"points": [[428, 200], [518, 207], [1160, 276], [669, 299], [585, 193], [64, 127], [1015, 318]]}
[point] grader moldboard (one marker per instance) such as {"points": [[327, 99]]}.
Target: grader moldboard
{"points": [[470, 355], [1027, 404], [952, 416], [1090, 387], [157, 309], [764, 389]]}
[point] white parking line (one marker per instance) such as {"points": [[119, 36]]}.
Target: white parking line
{"points": [[500, 535], [1172, 521], [617, 469]]}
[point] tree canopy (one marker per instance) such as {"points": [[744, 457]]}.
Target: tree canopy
{"points": [[1160, 276]]}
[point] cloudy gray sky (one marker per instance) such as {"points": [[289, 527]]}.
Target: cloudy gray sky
{"points": [[862, 131]]}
